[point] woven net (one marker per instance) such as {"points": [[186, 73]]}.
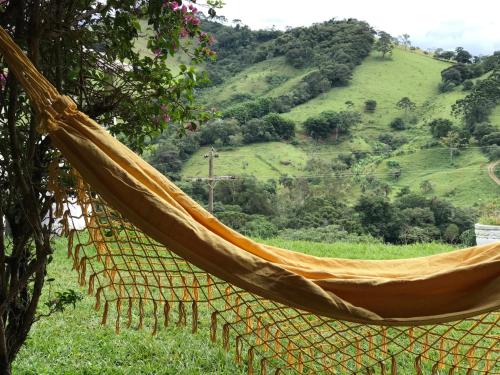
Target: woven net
{"points": [[139, 282]]}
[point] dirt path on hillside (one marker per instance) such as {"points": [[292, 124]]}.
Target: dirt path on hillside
{"points": [[491, 171]]}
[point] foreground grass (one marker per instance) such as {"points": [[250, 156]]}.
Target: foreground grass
{"points": [[74, 342]]}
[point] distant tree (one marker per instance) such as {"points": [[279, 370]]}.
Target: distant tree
{"points": [[377, 216], [406, 104], [426, 186], [220, 129], [468, 85], [317, 127], [337, 74], [462, 56], [445, 86], [405, 40], [438, 52], [440, 127], [342, 57], [447, 55], [480, 102], [451, 233], [491, 139], [482, 129], [347, 119], [385, 43], [452, 75], [283, 128], [256, 130], [299, 57], [398, 124], [370, 105], [453, 141], [394, 141]]}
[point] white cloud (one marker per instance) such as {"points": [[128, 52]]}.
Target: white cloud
{"points": [[430, 23]]}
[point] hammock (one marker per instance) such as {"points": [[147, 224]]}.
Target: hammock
{"points": [[150, 254]]}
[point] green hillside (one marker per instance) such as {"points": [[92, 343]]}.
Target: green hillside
{"points": [[385, 80], [407, 73]]}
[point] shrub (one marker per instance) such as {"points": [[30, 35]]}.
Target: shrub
{"points": [[468, 85], [370, 105], [446, 86], [393, 164], [394, 141], [283, 128], [451, 233], [256, 130], [320, 127], [327, 234], [398, 124], [491, 139], [468, 237], [440, 127], [337, 74], [260, 227]]}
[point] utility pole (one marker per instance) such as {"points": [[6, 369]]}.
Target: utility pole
{"points": [[212, 180]]}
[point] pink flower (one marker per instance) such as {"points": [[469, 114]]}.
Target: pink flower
{"points": [[163, 107], [157, 52], [166, 118], [183, 33], [174, 5], [184, 9]]}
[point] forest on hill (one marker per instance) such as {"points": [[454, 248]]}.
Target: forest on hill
{"points": [[338, 131]]}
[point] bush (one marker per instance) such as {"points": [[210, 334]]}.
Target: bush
{"points": [[491, 139], [327, 234], [260, 227], [446, 86], [394, 141], [440, 127], [393, 164], [468, 85], [398, 124], [492, 152], [482, 129], [370, 105], [320, 127], [337, 74], [468, 237], [256, 130], [283, 128], [451, 233], [221, 130]]}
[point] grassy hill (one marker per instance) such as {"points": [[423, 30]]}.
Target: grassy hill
{"points": [[387, 80]]}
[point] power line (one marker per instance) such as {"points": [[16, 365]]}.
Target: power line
{"points": [[350, 174], [376, 152]]}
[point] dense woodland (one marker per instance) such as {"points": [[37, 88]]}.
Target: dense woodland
{"points": [[324, 209]]}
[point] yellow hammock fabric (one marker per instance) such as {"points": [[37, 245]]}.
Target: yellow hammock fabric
{"points": [[148, 251]]}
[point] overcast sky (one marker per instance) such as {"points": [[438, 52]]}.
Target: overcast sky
{"points": [[472, 24]]}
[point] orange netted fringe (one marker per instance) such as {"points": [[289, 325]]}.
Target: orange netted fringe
{"points": [[122, 265]]}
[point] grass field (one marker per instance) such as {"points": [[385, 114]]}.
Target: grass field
{"points": [[465, 182], [74, 342], [264, 160]]}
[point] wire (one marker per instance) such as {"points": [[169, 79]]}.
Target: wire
{"points": [[320, 153], [350, 174]]}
